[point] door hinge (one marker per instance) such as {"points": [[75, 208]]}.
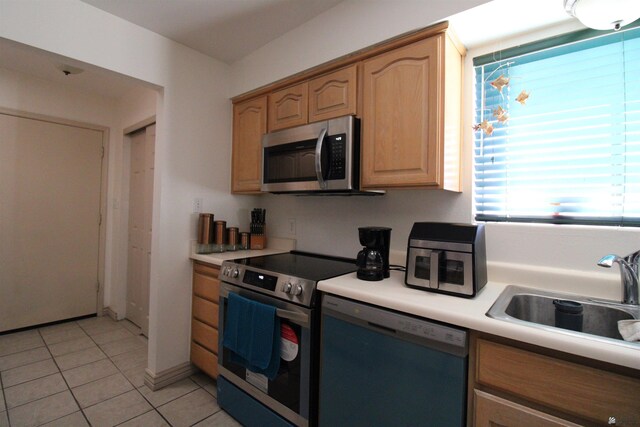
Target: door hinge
{"points": [[97, 286], [102, 152], [100, 218]]}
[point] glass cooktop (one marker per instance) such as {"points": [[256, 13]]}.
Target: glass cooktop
{"points": [[301, 264]]}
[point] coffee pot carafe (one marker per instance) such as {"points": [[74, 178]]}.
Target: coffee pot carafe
{"points": [[373, 259]]}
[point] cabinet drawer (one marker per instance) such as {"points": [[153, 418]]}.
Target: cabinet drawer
{"points": [[586, 392], [207, 269], [494, 411], [206, 287], [205, 311], [204, 335], [204, 359]]}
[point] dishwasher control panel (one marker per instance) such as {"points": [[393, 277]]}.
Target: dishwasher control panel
{"points": [[425, 332]]}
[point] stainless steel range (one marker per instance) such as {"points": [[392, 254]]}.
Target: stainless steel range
{"points": [[288, 283]]}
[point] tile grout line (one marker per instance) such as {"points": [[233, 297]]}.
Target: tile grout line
{"points": [[153, 408], [119, 370], [4, 398], [64, 379]]}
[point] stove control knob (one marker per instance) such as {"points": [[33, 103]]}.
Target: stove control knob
{"points": [[297, 289], [286, 288], [235, 273]]}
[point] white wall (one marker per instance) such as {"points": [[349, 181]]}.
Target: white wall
{"points": [[193, 140], [329, 225], [347, 27]]}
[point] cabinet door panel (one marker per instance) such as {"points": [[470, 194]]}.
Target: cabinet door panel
{"points": [[333, 95], [288, 107], [249, 124], [400, 145]]}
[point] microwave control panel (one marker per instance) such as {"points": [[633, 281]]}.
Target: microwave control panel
{"points": [[337, 156]]}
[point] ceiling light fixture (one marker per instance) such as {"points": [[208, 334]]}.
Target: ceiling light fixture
{"points": [[604, 14]]}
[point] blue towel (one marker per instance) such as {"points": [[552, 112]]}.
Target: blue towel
{"points": [[252, 333]]}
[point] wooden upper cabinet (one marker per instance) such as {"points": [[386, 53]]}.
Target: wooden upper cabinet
{"points": [[288, 107], [333, 95], [410, 135], [249, 124]]}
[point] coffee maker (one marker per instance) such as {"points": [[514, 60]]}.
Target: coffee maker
{"points": [[373, 259]]}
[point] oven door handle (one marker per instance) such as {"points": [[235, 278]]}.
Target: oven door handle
{"points": [[293, 316], [298, 318]]}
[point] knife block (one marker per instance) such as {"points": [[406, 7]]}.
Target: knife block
{"points": [[258, 241]]}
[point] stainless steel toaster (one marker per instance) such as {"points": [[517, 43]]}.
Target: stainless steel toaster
{"points": [[447, 258]]}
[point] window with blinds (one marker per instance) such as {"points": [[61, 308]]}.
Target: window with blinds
{"points": [[570, 151]]}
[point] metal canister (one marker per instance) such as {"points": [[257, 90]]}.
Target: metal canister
{"points": [[244, 240], [232, 240], [205, 233], [220, 234], [205, 228]]}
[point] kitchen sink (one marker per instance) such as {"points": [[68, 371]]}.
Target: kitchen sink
{"points": [[536, 308]]}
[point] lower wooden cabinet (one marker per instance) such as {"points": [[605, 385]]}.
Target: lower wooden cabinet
{"points": [[204, 317], [519, 387], [491, 411]]}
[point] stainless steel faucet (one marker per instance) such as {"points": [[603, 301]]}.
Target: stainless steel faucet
{"points": [[629, 275]]}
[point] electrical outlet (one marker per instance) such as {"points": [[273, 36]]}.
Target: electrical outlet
{"points": [[292, 226], [197, 205]]}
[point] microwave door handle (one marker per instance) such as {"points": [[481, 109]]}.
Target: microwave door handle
{"points": [[434, 280], [321, 181]]}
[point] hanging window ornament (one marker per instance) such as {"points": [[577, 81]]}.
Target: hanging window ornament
{"points": [[500, 114], [500, 82], [522, 97]]}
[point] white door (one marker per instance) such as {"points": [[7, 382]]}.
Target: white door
{"points": [[50, 186], [142, 148]]}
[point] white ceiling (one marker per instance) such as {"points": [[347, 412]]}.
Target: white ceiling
{"points": [[223, 29], [231, 29], [48, 66]]}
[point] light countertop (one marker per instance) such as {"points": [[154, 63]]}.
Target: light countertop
{"points": [[218, 258], [276, 246], [470, 313]]}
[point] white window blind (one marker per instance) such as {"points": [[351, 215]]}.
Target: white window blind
{"points": [[571, 153]]}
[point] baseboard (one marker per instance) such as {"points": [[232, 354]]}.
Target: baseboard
{"points": [[168, 376], [107, 311]]}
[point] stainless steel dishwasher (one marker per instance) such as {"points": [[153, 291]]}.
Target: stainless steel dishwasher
{"points": [[383, 368]]}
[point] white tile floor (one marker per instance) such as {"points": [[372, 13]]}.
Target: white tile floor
{"points": [[90, 373]]}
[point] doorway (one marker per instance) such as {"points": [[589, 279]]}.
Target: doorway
{"points": [[141, 166], [50, 219]]}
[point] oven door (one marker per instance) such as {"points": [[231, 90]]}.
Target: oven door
{"points": [[289, 394]]}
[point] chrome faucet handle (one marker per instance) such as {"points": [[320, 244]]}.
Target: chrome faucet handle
{"points": [[633, 259], [629, 277]]}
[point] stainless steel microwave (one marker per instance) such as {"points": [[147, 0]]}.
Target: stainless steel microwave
{"points": [[321, 157]]}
